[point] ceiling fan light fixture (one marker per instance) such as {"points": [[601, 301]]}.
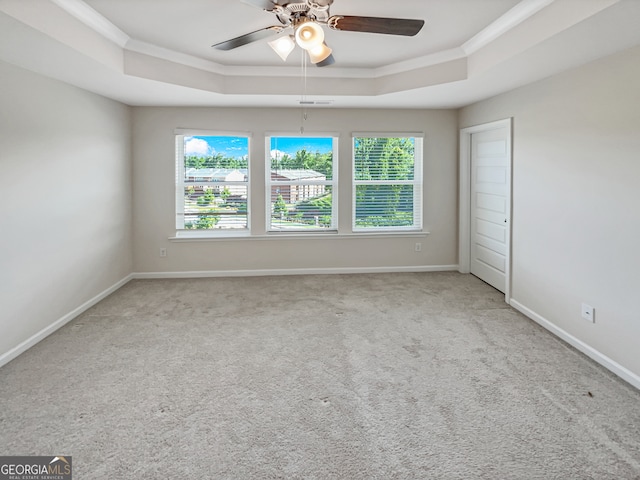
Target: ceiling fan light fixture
{"points": [[320, 54], [307, 18], [330, 60], [309, 35], [283, 46]]}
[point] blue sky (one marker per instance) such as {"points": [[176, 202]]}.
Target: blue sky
{"points": [[291, 145], [238, 146], [205, 146]]}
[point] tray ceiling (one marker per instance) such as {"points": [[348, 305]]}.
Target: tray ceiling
{"points": [[158, 52]]}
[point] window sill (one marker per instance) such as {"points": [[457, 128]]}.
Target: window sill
{"points": [[298, 236]]}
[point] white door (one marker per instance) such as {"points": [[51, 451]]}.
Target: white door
{"points": [[490, 204]]}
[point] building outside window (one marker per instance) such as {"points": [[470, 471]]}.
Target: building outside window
{"points": [[212, 182], [301, 183], [213, 187]]}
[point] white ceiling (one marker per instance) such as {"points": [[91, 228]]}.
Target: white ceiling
{"points": [[193, 26], [158, 52]]}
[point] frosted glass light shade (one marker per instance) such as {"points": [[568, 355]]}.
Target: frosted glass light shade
{"points": [[319, 53], [283, 46], [309, 35]]}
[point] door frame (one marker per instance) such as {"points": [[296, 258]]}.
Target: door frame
{"points": [[464, 214]]}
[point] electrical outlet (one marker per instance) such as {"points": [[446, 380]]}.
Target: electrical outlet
{"points": [[418, 247], [588, 313], [163, 252]]}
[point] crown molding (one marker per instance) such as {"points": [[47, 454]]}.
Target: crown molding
{"points": [[162, 64], [90, 17], [94, 20], [511, 19], [162, 53], [420, 62], [153, 50]]}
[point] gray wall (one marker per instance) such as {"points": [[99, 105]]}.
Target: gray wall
{"points": [[576, 200], [65, 200], [154, 192]]}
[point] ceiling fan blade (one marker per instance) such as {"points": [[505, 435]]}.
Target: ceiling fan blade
{"points": [[263, 4], [389, 26], [248, 38]]}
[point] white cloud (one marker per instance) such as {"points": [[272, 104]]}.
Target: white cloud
{"points": [[197, 147], [278, 154]]}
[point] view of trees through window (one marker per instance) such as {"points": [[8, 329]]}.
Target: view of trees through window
{"points": [[301, 183], [215, 183], [385, 182]]}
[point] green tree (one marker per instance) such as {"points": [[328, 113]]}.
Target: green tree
{"points": [[280, 207], [215, 161], [193, 161], [316, 207], [282, 162], [386, 160], [205, 222], [207, 198], [319, 162], [305, 160]]}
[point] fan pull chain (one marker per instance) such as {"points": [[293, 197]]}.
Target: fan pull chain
{"points": [[303, 98]]}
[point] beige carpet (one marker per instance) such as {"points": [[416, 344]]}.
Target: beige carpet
{"points": [[389, 376]]}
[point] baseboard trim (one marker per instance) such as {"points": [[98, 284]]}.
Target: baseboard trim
{"points": [[294, 271], [589, 351], [45, 332]]}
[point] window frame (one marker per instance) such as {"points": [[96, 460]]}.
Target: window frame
{"points": [[270, 184], [417, 182], [181, 184]]}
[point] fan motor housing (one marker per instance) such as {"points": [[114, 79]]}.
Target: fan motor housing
{"points": [[293, 12]]}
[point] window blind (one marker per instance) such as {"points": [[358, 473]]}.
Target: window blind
{"points": [[212, 182], [387, 183], [301, 183]]}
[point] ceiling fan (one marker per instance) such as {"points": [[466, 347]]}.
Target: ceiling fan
{"points": [[305, 18]]}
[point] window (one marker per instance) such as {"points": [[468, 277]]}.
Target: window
{"points": [[387, 182], [212, 183], [301, 181]]}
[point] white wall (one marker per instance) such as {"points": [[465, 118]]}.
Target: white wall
{"points": [[65, 201], [154, 192], [576, 200]]}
